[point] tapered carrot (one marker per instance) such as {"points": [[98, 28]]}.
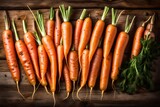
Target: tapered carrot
{"points": [[57, 32], [25, 58], [104, 75], [85, 36], [50, 49], [32, 48], [110, 33], [119, 49], [50, 25], [9, 49], [67, 80], [66, 29], [85, 70], [95, 67], [78, 28], [136, 46], [97, 33], [73, 64]]}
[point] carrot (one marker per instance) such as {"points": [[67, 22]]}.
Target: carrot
{"points": [[85, 70], [95, 67], [67, 80], [97, 33], [60, 57], [9, 49], [50, 49], [85, 36], [136, 47], [66, 29], [104, 75], [50, 25], [25, 58], [110, 33], [73, 67], [32, 48], [57, 33], [43, 61], [119, 49], [78, 28]]}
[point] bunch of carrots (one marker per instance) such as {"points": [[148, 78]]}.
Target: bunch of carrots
{"points": [[79, 56]]}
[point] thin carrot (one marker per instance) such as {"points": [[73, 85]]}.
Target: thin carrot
{"points": [[57, 33], [95, 68], [136, 46], [50, 49], [104, 75], [66, 29], [25, 59], [119, 49], [97, 33], [67, 80], [32, 48], [73, 64], [78, 28], [9, 49], [110, 33], [50, 25], [85, 70]]}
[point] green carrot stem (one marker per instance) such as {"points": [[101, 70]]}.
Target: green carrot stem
{"points": [[83, 14], [66, 13], [143, 24], [115, 18], [15, 30], [24, 26], [37, 38], [7, 27], [106, 9], [128, 26], [51, 15]]}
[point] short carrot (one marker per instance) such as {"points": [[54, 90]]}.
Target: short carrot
{"points": [[78, 28], [110, 33], [57, 32], [25, 59], [85, 70], [97, 34], [50, 25], [104, 75], [9, 48], [119, 49], [66, 29]]}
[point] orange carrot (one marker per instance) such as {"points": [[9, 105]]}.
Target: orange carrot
{"points": [[110, 33], [9, 49], [66, 29], [50, 25], [97, 33], [78, 28], [104, 75], [57, 33], [25, 59], [85, 70], [67, 80], [32, 48], [136, 47], [119, 49]]}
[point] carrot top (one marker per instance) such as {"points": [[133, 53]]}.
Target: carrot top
{"points": [[143, 24], [37, 38], [51, 14], [15, 31], [106, 9], [115, 18], [6, 21], [128, 26], [65, 13], [83, 14], [24, 26]]}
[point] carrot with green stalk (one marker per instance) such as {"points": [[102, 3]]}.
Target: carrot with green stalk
{"points": [[110, 33], [66, 29], [25, 58], [119, 49], [50, 49], [97, 33], [9, 49]]}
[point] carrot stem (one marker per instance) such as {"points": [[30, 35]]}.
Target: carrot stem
{"points": [[128, 26], [65, 13], [106, 9], [51, 15], [83, 14], [37, 38], [17, 83], [24, 26], [15, 31], [7, 27], [115, 18], [143, 24]]}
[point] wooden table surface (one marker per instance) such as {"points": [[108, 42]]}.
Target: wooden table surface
{"points": [[17, 10]]}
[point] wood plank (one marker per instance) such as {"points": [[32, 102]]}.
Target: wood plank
{"points": [[127, 4]]}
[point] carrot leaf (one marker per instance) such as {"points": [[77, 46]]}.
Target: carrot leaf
{"points": [[83, 14], [106, 9], [128, 26], [66, 13], [51, 15], [15, 30]]}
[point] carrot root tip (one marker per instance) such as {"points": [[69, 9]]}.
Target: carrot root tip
{"points": [[78, 93], [66, 96], [17, 84], [90, 93], [34, 91], [54, 99], [45, 87], [102, 94], [73, 90]]}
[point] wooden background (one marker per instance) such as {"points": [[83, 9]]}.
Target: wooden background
{"points": [[17, 10]]}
